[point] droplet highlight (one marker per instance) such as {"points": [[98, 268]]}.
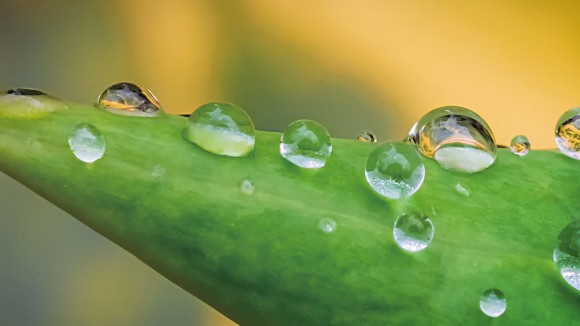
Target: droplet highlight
{"points": [[568, 133], [493, 303], [28, 103], [327, 225], [306, 143], [567, 254], [413, 231], [247, 187], [87, 143], [129, 99], [395, 170], [221, 128], [520, 145], [367, 136]]}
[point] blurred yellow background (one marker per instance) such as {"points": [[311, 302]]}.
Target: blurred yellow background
{"points": [[351, 65]]}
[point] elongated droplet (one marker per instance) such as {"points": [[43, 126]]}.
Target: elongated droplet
{"points": [[567, 254], [463, 190], [87, 143], [247, 187], [457, 138], [520, 145], [493, 303], [413, 232], [129, 99], [568, 133], [28, 103], [327, 225], [306, 143], [367, 136], [395, 170]]}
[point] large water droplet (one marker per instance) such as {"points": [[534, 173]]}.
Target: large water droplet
{"points": [[221, 128], [247, 187], [367, 136], [458, 138], [28, 103], [568, 133], [129, 99], [520, 145], [395, 170], [87, 143], [306, 143], [413, 232], [327, 225], [567, 254], [493, 303]]}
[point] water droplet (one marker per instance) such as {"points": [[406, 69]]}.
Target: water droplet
{"points": [[221, 128], [520, 145], [28, 103], [493, 303], [367, 136], [567, 254], [458, 138], [306, 143], [461, 189], [327, 225], [129, 99], [87, 143], [568, 133], [395, 170], [413, 232], [158, 171], [247, 187]]}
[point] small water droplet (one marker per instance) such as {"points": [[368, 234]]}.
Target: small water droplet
{"points": [[413, 232], [28, 103], [457, 138], [129, 99], [567, 254], [493, 303], [327, 225], [247, 187], [158, 171], [395, 170], [367, 136], [306, 143], [87, 143], [568, 133], [520, 145], [221, 128], [463, 190]]}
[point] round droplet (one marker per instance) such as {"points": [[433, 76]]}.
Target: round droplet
{"points": [[28, 103], [221, 128], [413, 232], [327, 225], [87, 143], [247, 187], [493, 303], [395, 170], [129, 99], [567, 254], [367, 136], [520, 145], [568, 133], [306, 143], [458, 138], [461, 189]]}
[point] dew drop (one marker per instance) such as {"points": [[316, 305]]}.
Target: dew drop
{"points": [[158, 171], [87, 143], [493, 303], [462, 190], [247, 187], [221, 128], [567, 254], [520, 145], [568, 133], [306, 143], [457, 138], [129, 99], [367, 136], [28, 103], [327, 225], [395, 170], [413, 232]]}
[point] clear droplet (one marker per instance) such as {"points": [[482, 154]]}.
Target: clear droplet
{"points": [[493, 303], [158, 171], [306, 143], [395, 170], [457, 138], [87, 143], [129, 99], [28, 103], [520, 145], [367, 136], [247, 187], [327, 225], [568, 133], [461, 189], [567, 254], [413, 231], [221, 128]]}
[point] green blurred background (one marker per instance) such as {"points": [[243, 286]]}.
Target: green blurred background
{"points": [[351, 65]]}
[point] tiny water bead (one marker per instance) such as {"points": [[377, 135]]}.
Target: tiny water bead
{"points": [[247, 187], [327, 225], [87, 143], [457, 138], [306, 143], [461, 189], [520, 145], [221, 128], [493, 303], [567, 254], [413, 231], [28, 103], [568, 133], [395, 170], [129, 99], [367, 136]]}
